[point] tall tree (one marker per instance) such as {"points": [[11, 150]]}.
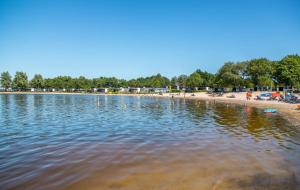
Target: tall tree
{"points": [[182, 79], [134, 83], [229, 75], [265, 81], [174, 82], [194, 80], [37, 81], [208, 78], [48, 83], [158, 81], [6, 80], [288, 70], [260, 71], [20, 81], [111, 82], [122, 83], [82, 83]]}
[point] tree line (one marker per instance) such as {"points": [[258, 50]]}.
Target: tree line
{"points": [[252, 73]]}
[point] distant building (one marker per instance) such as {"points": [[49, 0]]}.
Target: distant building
{"points": [[134, 90], [204, 88], [123, 89], [146, 90], [102, 90], [161, 90]]}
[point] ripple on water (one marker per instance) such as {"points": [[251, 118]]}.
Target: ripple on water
{"points": [[111, 142]]}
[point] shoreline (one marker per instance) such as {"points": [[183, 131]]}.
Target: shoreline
{"points": [[289, 111]]}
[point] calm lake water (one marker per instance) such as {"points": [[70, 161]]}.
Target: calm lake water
{"points": [[53, 142]]}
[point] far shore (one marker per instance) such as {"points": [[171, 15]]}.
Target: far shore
{"points": [[289, 111]]}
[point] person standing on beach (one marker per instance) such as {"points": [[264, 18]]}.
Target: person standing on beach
{"points": [[248, 95]]}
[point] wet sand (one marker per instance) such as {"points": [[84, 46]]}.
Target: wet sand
{"points": [[181, 168]]}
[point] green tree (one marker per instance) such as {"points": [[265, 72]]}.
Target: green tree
{"points": [[99, 82], [265, 81], [208, 78], [37, 81], [174, 82], [288, 70], [182, 79], [111, 82], [152, 81], [122, 83], [260, 71], [194, 80], [134, 83], [82, 83], [108, 82], [230, 75], [158, 81], [48, 83], [20, 81], [6, 80]]}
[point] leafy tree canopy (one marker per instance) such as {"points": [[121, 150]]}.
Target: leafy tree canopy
{"points": [[194, 80], [256, 72], [20, 81], [230, 75], [6, 81], [260, 68], [288, 70], [37, 81]]}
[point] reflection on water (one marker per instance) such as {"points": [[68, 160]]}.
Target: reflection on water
{"points": [[105, 142]]}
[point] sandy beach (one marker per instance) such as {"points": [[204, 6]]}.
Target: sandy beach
{"points": [[289, 111]]}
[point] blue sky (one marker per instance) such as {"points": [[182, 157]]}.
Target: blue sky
{"points": [[135, 38]]}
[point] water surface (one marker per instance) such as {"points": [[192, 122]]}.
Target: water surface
{"points": [[55, 142]]}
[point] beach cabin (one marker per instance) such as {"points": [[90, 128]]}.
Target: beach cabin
{"points": [[206, 88], [161, 90], [122, 89], [146, 90], [102, 90], [134, 90], [6, 90]]}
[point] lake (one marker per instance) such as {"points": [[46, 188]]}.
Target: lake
{"points": [[53, 142]]}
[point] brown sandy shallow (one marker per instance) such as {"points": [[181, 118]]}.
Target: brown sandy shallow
{"points": [[289, 111]]}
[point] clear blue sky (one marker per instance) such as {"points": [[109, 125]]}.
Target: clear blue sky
{"points": [[136, 38]]}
